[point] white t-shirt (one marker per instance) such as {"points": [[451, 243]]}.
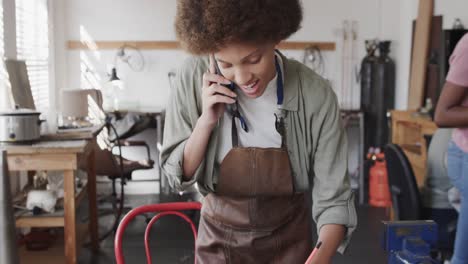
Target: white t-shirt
{"points": [[260, 119]]}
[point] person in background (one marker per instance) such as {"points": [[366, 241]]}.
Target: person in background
{"points": [[437, 185], [452, 111], [257, 132]]}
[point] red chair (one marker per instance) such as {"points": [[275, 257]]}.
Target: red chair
{"points": [[162, 209]]}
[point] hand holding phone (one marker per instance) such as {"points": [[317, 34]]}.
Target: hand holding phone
{"points": [[215, 94], [231, 85]]}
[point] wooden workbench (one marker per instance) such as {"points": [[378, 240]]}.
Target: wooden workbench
{"points": [[408, 130], [62, 156]]}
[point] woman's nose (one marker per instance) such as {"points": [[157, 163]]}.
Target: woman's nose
{"points": [[242, 77]]}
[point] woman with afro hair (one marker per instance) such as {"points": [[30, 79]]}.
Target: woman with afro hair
{"points": [[258, 133]]}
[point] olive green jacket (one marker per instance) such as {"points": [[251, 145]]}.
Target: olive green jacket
{"points": [[315, 138]]}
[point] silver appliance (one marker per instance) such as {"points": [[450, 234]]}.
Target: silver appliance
{"points": [[20, 126]]}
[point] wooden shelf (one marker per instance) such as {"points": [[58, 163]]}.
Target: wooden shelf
{"points": [[55, 219], [55, 254], [65, 156], [173, 45], [40, 221], [414, 148], [408, 130]]}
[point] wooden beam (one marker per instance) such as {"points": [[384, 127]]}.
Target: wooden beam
{"points": [[148, 45], [420, 54], [41, 162], [301, 45], [69, 207], [42, 221], [72, 44]]}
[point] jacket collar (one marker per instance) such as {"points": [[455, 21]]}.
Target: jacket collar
{"points": [[292, 83]]}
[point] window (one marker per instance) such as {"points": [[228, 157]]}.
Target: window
{"points": [[32, 42], [1, 32], [3, 87]]}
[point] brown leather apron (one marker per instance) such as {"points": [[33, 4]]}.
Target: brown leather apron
{"points": [[255, 216]]}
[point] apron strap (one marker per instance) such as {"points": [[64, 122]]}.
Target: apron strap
{"points": [[235, 137], [279, 116], [279, 82], [279, 126]]}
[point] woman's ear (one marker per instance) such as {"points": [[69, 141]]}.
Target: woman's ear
{"points": [[277, 44]]}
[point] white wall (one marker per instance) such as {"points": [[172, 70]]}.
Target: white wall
{"points": [[116, 21], [9, 48], [408, 11], [153, 20]]}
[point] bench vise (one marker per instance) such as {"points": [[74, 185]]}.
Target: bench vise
{"points": [[410, 242]]}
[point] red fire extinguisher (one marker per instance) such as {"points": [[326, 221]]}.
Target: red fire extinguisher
{"points": [[379, 193]]}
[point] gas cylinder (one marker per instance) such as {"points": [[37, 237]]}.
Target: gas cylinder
{"points": [[379, 192], [377, 78], [383, 99], [367, 71]]}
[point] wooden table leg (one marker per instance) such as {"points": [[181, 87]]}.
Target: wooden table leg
{"points": [[93, 219], [70, 217]]}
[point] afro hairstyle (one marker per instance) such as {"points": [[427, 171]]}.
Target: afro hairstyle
{"points": [[205, 26]]}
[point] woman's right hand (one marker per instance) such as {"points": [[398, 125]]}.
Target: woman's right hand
{"points": [[214, 96]]}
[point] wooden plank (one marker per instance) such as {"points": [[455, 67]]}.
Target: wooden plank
{"points": [[156, 45], [48, 147], [40, 221], [75, 44], [418, 164], [420, 54], [433, 76], [70, 217], [41, 162], [408, 130], [301, 45]]}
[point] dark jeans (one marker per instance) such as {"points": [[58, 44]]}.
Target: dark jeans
{"points": [[446, 220]]}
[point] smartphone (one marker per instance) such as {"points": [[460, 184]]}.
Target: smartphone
{"points": [[231, 86], [233, 107]]}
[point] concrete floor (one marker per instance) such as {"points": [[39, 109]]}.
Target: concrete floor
{"points": [[172, 242]]}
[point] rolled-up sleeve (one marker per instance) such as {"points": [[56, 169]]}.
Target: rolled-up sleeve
{"points": [[333, 199], [179, 122]]}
